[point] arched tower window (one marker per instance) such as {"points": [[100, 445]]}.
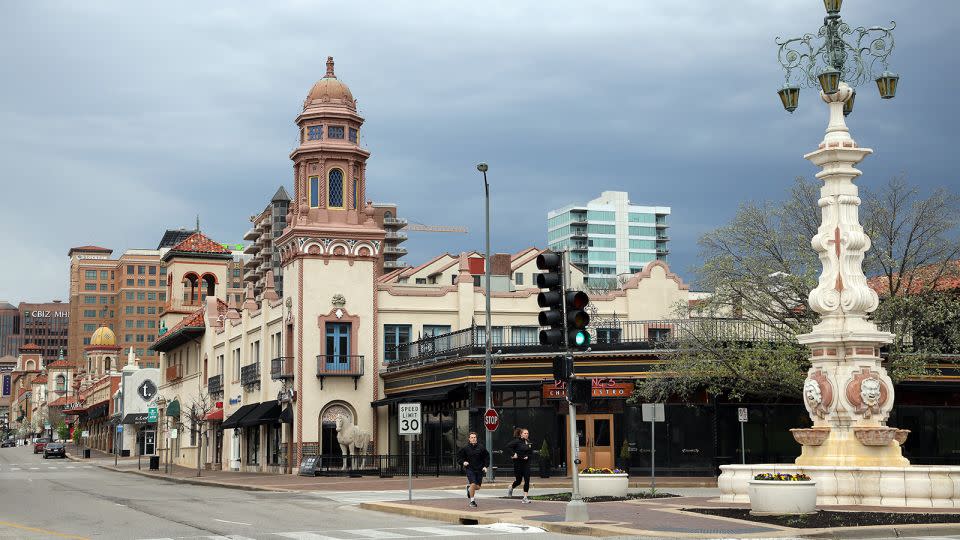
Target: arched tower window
{"points": [[354, 194], [209, 286], [190, 288], [335, 189], [387, 215], [61, 383], [106, 364]]}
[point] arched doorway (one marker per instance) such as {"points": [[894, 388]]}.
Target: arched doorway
{"points": [[328, 426]]}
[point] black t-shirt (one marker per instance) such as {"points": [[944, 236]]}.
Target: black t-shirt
{"points": [[475, 455]]}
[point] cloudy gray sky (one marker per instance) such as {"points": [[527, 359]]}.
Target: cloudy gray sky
{"points": [[120, 119]]}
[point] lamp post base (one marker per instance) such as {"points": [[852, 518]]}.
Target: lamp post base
{"points": [[577, 511]]}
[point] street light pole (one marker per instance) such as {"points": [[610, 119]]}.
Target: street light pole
{"points": [[488, 345]]}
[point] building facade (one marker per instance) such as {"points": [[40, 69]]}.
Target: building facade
{"points": [[386, 217], [609, 238], [46, 325], [9, 329], [263, 256], [125, 294]]}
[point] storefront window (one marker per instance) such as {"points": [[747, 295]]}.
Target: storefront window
{"points": [[253, 445], [274, 435]]}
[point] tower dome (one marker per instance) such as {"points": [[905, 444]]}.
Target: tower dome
{"points": [[329, 90], [103, 336]]}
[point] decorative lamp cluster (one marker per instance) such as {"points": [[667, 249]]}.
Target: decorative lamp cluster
{"points": [[845, 54]]}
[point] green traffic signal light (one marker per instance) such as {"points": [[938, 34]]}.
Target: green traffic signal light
{"points": [[581, 338]]}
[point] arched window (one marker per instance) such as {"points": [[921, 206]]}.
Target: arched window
{"points": [[190, 288], [61, 383], [314, 191], [354, 194], [106, 364], [335, 189], [209, 285], [387, 215]]}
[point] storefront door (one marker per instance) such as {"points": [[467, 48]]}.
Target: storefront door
{"points": [[595, 436]]}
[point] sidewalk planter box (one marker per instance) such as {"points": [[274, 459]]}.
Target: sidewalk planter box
{"points": [[610, 485], [773, 497]]}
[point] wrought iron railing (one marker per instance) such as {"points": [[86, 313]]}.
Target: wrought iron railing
{"points": [[215, 385], [250, 374], [342, 365], [609, 335], [281, 368]]}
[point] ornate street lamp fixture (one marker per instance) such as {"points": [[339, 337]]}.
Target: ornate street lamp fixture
{"points": [[836, 54], [848, 104]]}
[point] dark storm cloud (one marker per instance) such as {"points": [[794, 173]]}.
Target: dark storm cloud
{"points": [[118, 121]]}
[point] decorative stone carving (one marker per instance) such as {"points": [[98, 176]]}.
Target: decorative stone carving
{"points": [[818, 394], [875, 436], [338, 300], [353, 440], [866, 397], [810, 436]]}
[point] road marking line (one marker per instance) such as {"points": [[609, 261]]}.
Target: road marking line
{"points": [[71, 467], [305, 536], [87, 466], [44, 531], [34, 468], [234, 522], [376, 533], [440, 531], [14, 468]]}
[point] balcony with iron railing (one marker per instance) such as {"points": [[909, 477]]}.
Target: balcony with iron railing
{"points": [[215, 385], [252, 234], [397, 250], [394, 221], [174, 372], [398, 236], [339, 365], [578, 231], [610, 336], [579, 246], [250, 374], [392, 265], [281, 368]]}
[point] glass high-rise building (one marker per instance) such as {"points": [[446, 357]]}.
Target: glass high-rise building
{"points": [[609, 236]]}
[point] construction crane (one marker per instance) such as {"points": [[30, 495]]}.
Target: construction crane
{"points": [[420, 227]]}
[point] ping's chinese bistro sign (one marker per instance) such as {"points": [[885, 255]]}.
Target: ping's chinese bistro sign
{"points": [[600, 388]]}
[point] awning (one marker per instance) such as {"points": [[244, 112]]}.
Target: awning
{"points": [[173, 408], [286, 417], [234, 420], [214, 416], [267, 412], [137, 419], [415, 398]]}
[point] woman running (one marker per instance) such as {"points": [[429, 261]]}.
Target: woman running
{"points": [[520, 450]]}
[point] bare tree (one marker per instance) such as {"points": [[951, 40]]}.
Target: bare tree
{"points": [[760, 267], [197, 413]]}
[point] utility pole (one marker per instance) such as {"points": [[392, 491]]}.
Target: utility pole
{"points": [[576, 508]]}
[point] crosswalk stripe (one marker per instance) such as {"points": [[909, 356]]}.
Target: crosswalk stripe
{"points": [[440, 531], [305, 536], [14, 468], [377, 533]]}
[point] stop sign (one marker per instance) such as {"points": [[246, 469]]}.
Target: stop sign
{"points": [[491, 420]]}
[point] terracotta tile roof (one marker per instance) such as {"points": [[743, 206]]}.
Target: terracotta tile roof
{"points": [[199, 243], [924, 279], [196, 320], [61, 364], [59, 402], [42, 379], [30, 347]]}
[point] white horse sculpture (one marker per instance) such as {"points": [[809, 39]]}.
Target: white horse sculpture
{"points": [[353, 441]]}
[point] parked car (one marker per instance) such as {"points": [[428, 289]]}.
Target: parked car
{"points": [[54, 449], [9, 443], [39, 445]]}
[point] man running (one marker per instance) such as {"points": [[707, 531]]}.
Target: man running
{"points": [[475, 462]]}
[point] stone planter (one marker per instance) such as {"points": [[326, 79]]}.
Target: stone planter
{"points": [[901, 436], [810, 436], [598, 485], [769, 497], [875, 436]]}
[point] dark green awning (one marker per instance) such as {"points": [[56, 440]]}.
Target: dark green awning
{"points": [[173, 409]]}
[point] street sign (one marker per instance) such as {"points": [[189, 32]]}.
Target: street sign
{"points": [[151, 415], [742, 414], [491, 420], [173, 433], [119, 428], [410, 419], [652, 412], [84, 433]]}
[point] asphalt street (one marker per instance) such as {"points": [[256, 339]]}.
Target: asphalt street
{"points": [[59, 498]]}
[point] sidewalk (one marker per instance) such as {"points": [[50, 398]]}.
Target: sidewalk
{"points": [[657, 518]]}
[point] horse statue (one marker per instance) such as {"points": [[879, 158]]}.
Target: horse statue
{"points": [[353, 441]]}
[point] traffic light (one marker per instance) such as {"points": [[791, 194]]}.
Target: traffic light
{"points": [[580, 390], [562, 367], [577, 319], [552, 298]]}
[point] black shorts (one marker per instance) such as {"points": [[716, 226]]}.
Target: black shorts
{"points": [[475, 477]]}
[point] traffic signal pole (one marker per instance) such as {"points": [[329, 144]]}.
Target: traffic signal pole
{"points": [[488, 345], [576, 508]]}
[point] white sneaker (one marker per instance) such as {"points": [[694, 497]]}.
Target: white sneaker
{"points": [[525, 501], [510, 492]]}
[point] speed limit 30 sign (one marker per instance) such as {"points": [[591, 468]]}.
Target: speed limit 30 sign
{"points": [[410, 423]]}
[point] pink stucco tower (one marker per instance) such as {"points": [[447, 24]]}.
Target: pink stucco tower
{"points": [[330, 252]]}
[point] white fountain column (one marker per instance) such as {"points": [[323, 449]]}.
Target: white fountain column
{"points": [[847, 392]]}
